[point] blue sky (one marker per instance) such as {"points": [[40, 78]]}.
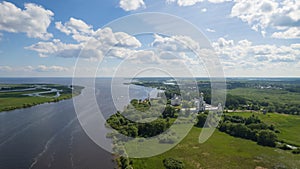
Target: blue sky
{"points": [[251, 38]]}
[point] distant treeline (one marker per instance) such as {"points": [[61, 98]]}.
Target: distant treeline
{"points": [[242, 102]]}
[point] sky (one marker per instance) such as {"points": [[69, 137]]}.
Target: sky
{"points": [[47, 38]]}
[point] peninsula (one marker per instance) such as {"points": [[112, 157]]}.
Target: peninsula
{"points": [[15, 96]]}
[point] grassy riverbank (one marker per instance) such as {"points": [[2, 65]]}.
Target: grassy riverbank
{"points": [[14, 96]]}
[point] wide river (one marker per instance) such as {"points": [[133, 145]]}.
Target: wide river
{"points": [[50, 135]]}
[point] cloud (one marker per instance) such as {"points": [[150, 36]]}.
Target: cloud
{"points": [[284, 16], [203, 10], [210, 30], [34, 20], [219, 1], [193, 2], [5, 68], [144, 57], [39, 68], [79, 30], [131, 5], [43, 68], [243, 58], [244, 52], [188, 2], [93, 44], [180, 50], [56, 48], [291, 33], [174, 43], [223, 43]]}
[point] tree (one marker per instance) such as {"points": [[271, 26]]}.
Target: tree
{"points": [[124, 162], [132, 131], [169, 112], [201, 118], [267, 138], [171, 163], [252, 119]]}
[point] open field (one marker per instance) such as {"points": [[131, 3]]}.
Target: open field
{"points": [[288, 125], [267, 95], [222, 151], [26, 95], [225, 151]]}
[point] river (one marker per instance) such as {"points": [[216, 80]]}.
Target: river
{"points": [[50, 136]]}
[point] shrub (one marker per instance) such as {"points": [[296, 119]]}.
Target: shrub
{"points": [[267, 138], [201, 118], [285, 147], [171, 163], [297, 151]]}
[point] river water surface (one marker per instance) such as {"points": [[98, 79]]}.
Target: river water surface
{"points": [[50, 136]]}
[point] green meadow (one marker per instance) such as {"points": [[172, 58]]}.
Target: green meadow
{"points": [[288, 125], [272, 96], [11, 96], [225, 151]]}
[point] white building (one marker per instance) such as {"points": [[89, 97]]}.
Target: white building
{"points": [[176, 100], [200, 103]]}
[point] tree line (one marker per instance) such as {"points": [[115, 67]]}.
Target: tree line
{"points": [[251, 128]]}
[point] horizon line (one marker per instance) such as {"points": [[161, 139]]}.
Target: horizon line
{"points": [[150, 77]]}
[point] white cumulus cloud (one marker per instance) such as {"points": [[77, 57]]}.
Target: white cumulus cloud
{"points": [[244, 51], [131, 5], [290, 33], [218, 1], [93, 44], [243, 58], [174, 43], [34, 20], [79, 30], [284, 16], [188, 2], [56, 48], [193, 2], [43, 68]]}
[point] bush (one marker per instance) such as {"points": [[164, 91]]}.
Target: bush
{"points": [[267, 138], [284, 147], [171, 163], [201, 118], [252, 119], [125, 163], [297, 151]]}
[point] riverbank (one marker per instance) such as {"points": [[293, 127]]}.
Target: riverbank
{"points": [[17, 96]]}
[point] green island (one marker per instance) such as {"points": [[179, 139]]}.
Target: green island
{"points": [[15, 96], [258, 129]]}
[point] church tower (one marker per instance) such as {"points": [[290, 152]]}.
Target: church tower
{"points": [[201, 103]]}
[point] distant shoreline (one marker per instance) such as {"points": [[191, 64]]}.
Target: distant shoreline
{"points": [[19, 96]]}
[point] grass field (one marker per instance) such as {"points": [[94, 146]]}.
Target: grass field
{"points": [[225, 151], [10, 100], [267, 95], [288, 125]]}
